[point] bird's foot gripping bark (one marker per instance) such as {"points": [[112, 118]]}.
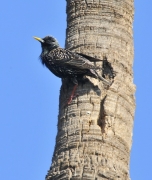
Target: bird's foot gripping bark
{"points": [[73, 95]]}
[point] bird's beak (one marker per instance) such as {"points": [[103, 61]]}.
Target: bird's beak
{"points": [[39, 39]]}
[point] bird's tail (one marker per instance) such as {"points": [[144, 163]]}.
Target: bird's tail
{"points": [[94, 73]]}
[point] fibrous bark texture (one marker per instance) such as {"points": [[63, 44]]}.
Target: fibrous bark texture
{"points": [[95, 131]]}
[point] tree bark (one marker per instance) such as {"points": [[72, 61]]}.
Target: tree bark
{"points": [[95, 131]]}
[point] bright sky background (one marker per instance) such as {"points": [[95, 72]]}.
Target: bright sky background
{"points": [[29, 93]]}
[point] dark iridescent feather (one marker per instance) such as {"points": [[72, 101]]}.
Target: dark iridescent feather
{"points": [[91, 59]]}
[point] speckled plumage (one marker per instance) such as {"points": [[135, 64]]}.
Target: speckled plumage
{"points": [[67, 64]]}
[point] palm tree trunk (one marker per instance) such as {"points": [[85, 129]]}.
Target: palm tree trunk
{"points": [[95, 131]]}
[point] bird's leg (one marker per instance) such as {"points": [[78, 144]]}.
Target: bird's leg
{"points": [[72, 94]]}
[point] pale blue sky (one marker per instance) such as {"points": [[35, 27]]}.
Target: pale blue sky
{"points": [[29, 93]]}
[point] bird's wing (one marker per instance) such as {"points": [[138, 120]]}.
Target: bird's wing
{"points": [[65, 57], [90, 58]]}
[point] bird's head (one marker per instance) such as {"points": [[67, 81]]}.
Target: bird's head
{"points": [[48, 43]]}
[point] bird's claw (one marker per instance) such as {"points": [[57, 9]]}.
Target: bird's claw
{"points": [[71, 98]]}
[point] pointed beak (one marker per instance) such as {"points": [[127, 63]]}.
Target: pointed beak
{"points": [[39, 39]]}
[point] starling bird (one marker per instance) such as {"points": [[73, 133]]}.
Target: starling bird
{"points": [[67, 64]]}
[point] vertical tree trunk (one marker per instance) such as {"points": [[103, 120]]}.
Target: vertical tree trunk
{"points": [[95, 131]]}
